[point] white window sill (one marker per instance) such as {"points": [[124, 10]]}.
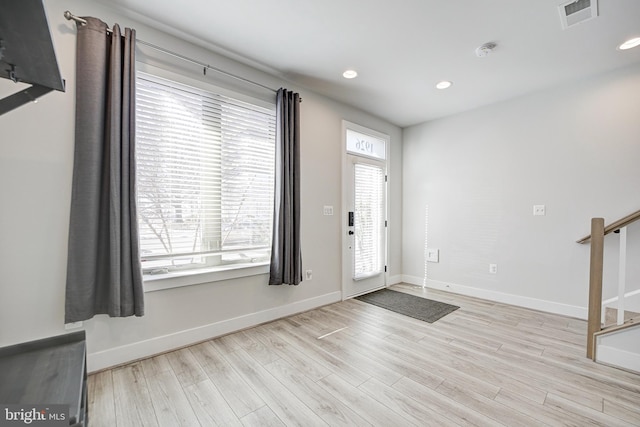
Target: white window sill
{"points": [[198, 276]]}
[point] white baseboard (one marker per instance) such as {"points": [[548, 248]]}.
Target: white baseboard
{"points": [[413, 280], [394, 280], [142, 349], [618, 358], [518, 300]]}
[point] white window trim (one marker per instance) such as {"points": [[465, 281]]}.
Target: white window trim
{"points": [[201, 276], [152, 283]]}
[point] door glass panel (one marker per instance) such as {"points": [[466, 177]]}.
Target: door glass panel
{"points": [[369, 221], [364, 145]]}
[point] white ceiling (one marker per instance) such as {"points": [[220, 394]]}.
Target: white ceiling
{"points": [[402, 48]]}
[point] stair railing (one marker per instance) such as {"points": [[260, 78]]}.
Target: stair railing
{"points": [[596, 267]]}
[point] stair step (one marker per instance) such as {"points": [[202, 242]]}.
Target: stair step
{"points": [[619, 346], [611, 316]]}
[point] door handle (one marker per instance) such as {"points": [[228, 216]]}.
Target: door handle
{"points": [[351, 233]]}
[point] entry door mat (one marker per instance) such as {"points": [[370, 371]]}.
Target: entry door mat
{"points": [[410, 305]]}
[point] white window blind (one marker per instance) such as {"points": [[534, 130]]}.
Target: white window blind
{"points": [[205, 172], [369, 220]]}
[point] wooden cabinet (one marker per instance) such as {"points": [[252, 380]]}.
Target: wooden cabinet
{"points": [[48, 371]]}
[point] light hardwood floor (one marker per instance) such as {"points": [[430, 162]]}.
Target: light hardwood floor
{"points": [[486, 364]]}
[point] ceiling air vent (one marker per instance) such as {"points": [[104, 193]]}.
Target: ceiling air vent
{"points": [[577, 11]]}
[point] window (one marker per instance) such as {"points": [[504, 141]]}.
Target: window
{"points": [[369, 220], [205, 171]]}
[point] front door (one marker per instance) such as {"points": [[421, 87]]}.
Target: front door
{"points": [[365, 238]]}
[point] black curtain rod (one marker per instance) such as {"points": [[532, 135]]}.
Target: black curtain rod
{"points": [[80, 21]]}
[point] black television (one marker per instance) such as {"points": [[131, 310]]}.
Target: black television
{"points": [[26, 52]]}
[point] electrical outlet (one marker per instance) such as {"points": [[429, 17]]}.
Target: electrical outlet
{"points": [[539, 210], [308, 274], [327, 210], [493, 268], [433, 255]]}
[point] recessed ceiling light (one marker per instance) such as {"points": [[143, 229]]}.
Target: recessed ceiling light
{"points": [[350, 74], [631, 43], [444, 84]]}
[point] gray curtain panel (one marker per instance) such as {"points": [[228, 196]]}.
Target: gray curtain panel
{"points": [[104, 274], [286, 253]]}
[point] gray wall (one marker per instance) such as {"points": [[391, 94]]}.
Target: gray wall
{"points": [[36, 158], [575, 149]]}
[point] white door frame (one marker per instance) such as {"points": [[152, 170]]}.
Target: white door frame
{"points": [[346, 175]]}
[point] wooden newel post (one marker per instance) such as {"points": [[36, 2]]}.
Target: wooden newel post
{"points": [[595, 283]]}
